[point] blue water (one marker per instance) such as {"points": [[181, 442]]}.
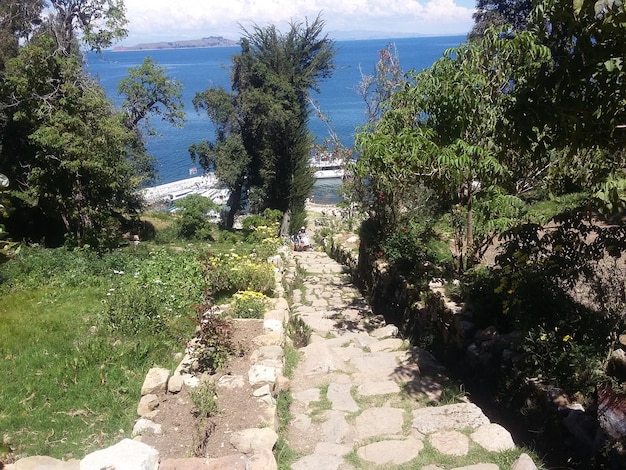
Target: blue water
{"points": [[198, 69]]}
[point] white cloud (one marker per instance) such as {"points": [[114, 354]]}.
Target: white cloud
{"points": [[186, 19]]}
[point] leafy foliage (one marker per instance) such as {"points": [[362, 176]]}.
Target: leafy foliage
{"points": [[225, 274], [67, 149], [262, 138], [248, 304], [195, 217]]}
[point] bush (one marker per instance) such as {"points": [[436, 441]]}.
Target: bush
{"points": [[227, 273], [261, 226], [408, 248], [154, 295], [196, 221], [248, 304]]}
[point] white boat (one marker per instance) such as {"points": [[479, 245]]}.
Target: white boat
{"points": [[325, 167]]}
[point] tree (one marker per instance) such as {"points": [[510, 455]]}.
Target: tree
{"points": [[498, 13], [268, 111], [439, 133], [376, 89], [147, 91], [65, 147], [97, 23], [18, 19], [273, 76]]}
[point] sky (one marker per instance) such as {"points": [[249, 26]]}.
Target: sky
{"points": [[158, 20]]}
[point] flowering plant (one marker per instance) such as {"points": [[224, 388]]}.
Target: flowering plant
{"points": [[249, 304]]}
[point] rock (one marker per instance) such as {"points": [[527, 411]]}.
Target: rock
{"points": [[383, 421], [262, 391], [231, 381], [432, 389], [43, 463], [332, 449], [335, 429], [389, 331], [249, 441], [143, 425], [273, 353], [318, 462], [395, 452], [383, 387], [262, 460], [524, 462], [282, 384], [125, 455], [271, 338], [281, 304], [616, 365], [261, 374], [450, 442], [271, 324], [493, 437], [147, 404], [307, 396], [155, 381], [456, 416], [341, 398], [185, 464], [175, 383], [228, 462]]}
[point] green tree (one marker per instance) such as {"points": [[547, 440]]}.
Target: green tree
{"points": [[97, 23], [271, 80], [497, 13], [67, 148], [227, 156], [148, 91], [439, 133]]}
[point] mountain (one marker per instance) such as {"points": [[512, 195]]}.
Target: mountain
{"points": [[211, 41]]}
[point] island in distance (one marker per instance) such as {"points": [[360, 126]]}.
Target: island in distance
{"points": [[211, 41]]}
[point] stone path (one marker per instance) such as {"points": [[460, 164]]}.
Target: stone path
{"points": [[362, 398]]}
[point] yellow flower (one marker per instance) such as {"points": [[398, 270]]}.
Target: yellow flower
{"points": [[543, 337], [566, 338]]}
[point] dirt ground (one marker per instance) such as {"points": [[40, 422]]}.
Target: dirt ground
{"points": [[182, 436]]}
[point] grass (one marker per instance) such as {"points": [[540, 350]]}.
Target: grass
{"points": [[318, 408], [65, 388], [72, 372], [429, 456]]}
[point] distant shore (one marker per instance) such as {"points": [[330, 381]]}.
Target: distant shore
{"points": [[204, 43]]}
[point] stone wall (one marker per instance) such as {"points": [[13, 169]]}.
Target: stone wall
{"points": [[480, 352]]}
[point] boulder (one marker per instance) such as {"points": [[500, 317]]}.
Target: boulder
{"points": [[250, 441], [493, 437], [524, 462], [147, 404], [155, 381], [125, 455], [456, 416]]}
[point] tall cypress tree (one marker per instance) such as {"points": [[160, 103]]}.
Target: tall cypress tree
{"points": [[271, 80]]}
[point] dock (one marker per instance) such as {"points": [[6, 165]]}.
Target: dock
{"points": [[207, 186]]}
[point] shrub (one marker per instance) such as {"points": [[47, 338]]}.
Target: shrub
{"points": [[248, 304], [227, 273], [204, 399], [409, 247], [155, 294], [195, 222], [261, 226], [212, 345]]}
